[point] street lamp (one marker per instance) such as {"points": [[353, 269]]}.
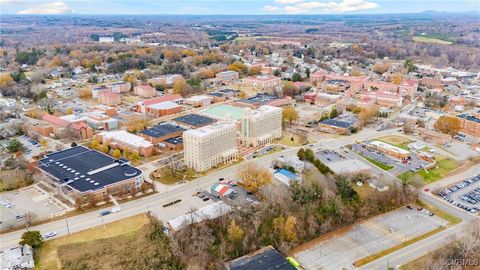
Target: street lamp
{"points": [[66, 223]]}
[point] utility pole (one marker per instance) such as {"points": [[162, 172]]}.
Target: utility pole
{"points": [[103, 222], [68, 229]]}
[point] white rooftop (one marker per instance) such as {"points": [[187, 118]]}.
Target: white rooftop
{"points": [[327, 95], [390, 147], [163, 105], [124, 136], [207, 130], [73, 117], [198, 98], [207, 212]]}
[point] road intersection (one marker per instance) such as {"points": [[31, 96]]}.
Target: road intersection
{"points": [[187, 191]]}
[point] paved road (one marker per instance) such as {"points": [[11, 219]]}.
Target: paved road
{"points": [[150, 203], [185, 192], [433, 242], [154, 202]]}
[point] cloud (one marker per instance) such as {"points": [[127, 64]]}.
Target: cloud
{"points": [[48, 8], [10, 1], [301, 6], [269, 8], [286, 2]]}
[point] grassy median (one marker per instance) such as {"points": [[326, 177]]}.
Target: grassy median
{"points": [[385, 252], [379, 164], [452, 220], [443, 167]]}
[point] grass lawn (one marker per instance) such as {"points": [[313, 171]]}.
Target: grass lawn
{"points": [[379, 164], [364, 191], [169, 179], [440, 171], [287, 140], [452, 220], [397, 141], [274, 150], [427, 39], [47, 257]]}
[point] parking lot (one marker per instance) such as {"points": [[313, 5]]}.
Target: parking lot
{"points": [[414, 164], [238, 197], [460, 149], [29, 200], [465, 194], [339, 250], [32, 147], [329, 156], [76, 105]]}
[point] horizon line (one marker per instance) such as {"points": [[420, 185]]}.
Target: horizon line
{"points": [[226, 14]]}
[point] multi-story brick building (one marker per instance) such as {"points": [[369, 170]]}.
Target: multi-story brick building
{"points": [[470, 123], [388, 99], [227, 76], [199, 101], [144, 90], [264, 82], [166, 80], [109, 98], [124, 140], [143, 105], [163, 108]]}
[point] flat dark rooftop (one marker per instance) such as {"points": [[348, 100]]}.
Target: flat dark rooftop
{"points": [[336, 123], [216, 94], [162, 130], [85, 169], [266, 258], [175, 140], [259, 99], [470, 118], [228, 91], [195, 120]]}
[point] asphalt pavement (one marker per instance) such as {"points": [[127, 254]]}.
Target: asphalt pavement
{"points": [[187, 192]]}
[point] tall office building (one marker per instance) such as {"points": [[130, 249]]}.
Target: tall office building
{"points": [[210, 145], [261, 126]]}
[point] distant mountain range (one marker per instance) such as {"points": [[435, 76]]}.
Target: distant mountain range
{"points": [[440, 12]]}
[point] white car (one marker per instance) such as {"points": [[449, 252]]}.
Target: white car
{"points": [[49, 235]]}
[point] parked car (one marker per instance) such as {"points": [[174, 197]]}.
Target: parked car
{"points": [[105, 212], [49, 235]]}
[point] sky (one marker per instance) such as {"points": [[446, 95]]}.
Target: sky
{"points": [[229, 7]]}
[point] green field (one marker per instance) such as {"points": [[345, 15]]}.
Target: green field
{"points": [[379, 164], [440, 171], [428, 39], [398, 141]]}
